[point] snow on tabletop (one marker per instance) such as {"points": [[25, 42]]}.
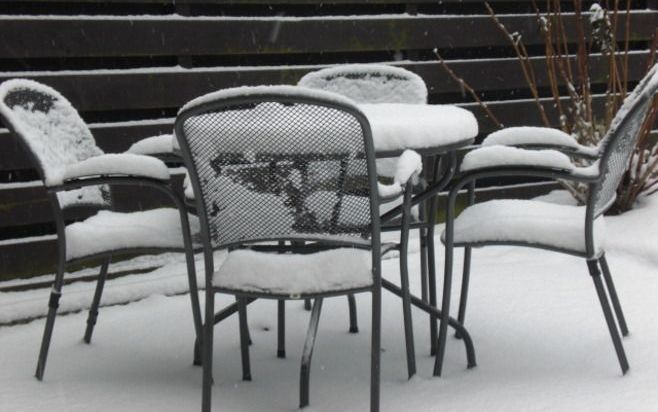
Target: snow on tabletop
{"points": [[369, 83], [502, 156], [108, 231], [153, 145], [529, 135], [294, 274], [124, 164], [398, 126], [530, 221], [58, 138], [285, 90]]}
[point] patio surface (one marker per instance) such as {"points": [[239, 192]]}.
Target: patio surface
{"points": [[539, 334]]}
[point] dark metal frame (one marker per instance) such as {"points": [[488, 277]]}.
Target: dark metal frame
{"points": [[595, 259], [62, 262]]}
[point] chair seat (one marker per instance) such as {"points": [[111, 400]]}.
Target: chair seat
{"points": [[295, 274], [109, 231], [526, 221]]}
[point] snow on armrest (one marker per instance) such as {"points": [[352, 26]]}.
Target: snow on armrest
{"points": [[153, 145], [124, 164], [503, 156], [537, 136], [408, 169]]}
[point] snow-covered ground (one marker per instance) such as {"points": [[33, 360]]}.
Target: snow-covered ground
{"points": [[539, 333]]}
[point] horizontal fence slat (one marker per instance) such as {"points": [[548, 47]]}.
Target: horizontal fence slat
{"points": [[109, 90], [61, 36]]}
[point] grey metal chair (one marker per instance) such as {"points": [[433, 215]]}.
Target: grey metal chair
{"points": [[284, 179], [77, 173], [573, 230], [381, 83]]}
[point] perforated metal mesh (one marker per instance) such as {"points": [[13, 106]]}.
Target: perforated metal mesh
{"points": [[269, 170], [619, 144], [54, 132]]}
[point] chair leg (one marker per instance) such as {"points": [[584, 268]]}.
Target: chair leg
{"points": [[463, 296], [307, 304], [607, 313], [244, 340], [93, 311], [207, 349], [305, 371], [53, 304], [354, 325], [375, 349], [612, 291], [404, 286], [281, 329], [431, 274], [447, 287]]}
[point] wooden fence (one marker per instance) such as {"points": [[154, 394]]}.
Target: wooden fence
{"points": [[128, 65]]}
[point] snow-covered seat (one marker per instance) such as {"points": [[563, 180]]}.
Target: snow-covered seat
{"points": [[75, 172], [305, 190], [575, 230], [543, 224]]}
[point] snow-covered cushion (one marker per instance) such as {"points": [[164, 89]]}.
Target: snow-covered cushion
{"points": [[503, 156], [369, 83], [123, 164], [108, 231], [154, 145], [295, 274], [538, 136], [529, 221]]}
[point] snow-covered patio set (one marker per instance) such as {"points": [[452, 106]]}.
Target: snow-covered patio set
{"points": [[310, 191]]}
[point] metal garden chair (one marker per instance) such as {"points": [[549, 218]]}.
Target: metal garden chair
{"points": [[571, 229], [77, 173], [275, 164], [380, 83]]}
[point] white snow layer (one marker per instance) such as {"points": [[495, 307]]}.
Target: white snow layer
{"points": [[529, 135], [399, 126], [117, 164], [332, 270], [503, 156], [58, 138], [163, 143], [107, 231], [369, 83], [409, 166], [535, 222], [284, 90]]}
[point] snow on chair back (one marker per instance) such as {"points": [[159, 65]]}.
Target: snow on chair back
{"points": [[369, 83], [52, 130], [619, 143], [279, 162]]}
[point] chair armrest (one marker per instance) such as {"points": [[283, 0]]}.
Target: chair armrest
{"points": [[407, 173], [498, 161], [154, 145], [540, 138], [120, 165]]}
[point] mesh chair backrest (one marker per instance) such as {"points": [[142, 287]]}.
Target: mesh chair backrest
{"points": [[47, 123], [369, 83], [278, 164], [619, 143]]}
